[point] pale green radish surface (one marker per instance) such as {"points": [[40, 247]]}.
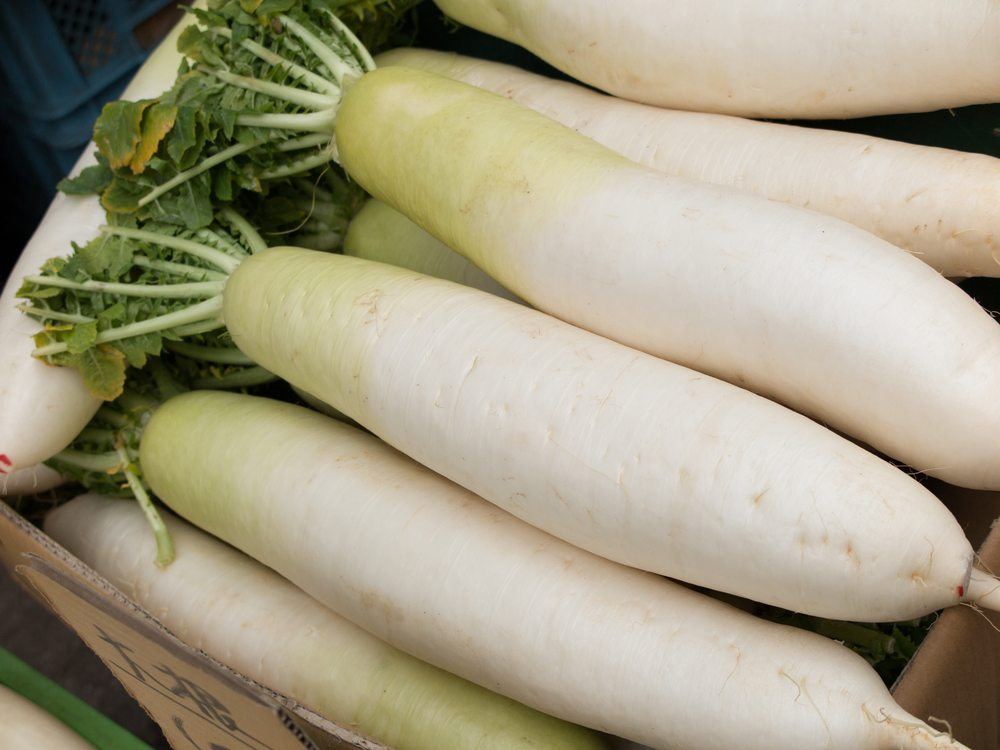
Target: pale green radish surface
{"points": [[320, 406], [25, 726], [800, 307], [942, 206], [626, 455], [378, 232], [762, 58], [441, 574], [42, 408], [219, 601]]}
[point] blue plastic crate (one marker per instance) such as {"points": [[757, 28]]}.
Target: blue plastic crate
{"points": [[61, 54], [60, 62]]}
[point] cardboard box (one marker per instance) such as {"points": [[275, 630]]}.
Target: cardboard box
{"points": [[198, 702], [201, 703], [956, 672]]}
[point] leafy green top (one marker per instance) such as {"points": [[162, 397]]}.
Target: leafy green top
{"points": [[117, 299], [254, 101], [104, 457]]}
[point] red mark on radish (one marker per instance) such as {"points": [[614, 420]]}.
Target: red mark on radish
{"points": [[5, 460], [960, 590]]}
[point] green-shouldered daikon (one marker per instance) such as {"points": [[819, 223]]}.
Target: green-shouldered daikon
{"points": [[249, 618], [624, 454], [940, 205], [800, 307], [763, 58], [797, 306], [627, 455], [381, 233], [445, 576]]}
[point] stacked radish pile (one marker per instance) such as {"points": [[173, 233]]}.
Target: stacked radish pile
{"points": [[644, 404]]}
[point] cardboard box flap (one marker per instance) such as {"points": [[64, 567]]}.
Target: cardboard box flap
{"points": [[198, 702], [956, 672]]}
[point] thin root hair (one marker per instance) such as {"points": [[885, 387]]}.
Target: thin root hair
{"points": [[945, 723], [978, 559], [982, 613], [312, 207]]}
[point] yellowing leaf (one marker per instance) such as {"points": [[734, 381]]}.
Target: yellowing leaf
{"points": [[156, 123], [118, 131]]}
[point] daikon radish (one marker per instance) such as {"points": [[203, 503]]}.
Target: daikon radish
{"points": [[763, 58], [629, 456], [940, 205], [802, 308], [246, 616], [797, 306], [441, 574], [626, 455]]}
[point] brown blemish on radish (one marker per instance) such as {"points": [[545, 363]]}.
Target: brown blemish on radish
{"points": [[372, 600], [736, 665], [853, 555]]}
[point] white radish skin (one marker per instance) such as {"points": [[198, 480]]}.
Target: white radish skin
{"points": [[626, 455], [984, 590], [797, 306], [38, 478], [26, 726], [42, 408], [762, 58], [940, 205], [441, 574], [378, 232], [251, 619]]}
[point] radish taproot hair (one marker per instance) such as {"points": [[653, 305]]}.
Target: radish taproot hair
{"points": [[942, 206], [797, 306], [25, 726], [31, 480], [439, 573], [43, 408], [764, 58], [222, 602], [627, 455]]}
